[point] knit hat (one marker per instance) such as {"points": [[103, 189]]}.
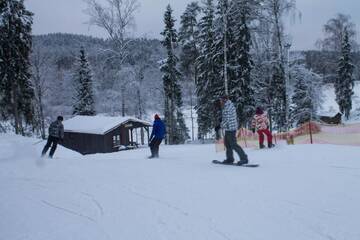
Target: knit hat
{"points": [[157, 117], [259, 111]]}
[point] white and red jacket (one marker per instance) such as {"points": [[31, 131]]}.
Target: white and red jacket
{"points": [[260, 121]]}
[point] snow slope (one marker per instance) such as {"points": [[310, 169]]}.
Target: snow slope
{"points": [[300, 192]]}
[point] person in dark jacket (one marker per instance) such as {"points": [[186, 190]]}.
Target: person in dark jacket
{"points": [[56, 134], [156, 137]]}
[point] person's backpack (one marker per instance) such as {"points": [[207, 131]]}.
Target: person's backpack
{"points": [[54, 129]]}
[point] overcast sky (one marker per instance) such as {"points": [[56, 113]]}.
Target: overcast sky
{"points": [[68, 16]]}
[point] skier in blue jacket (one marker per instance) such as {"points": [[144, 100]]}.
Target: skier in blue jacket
{"points": [[156, 137]]}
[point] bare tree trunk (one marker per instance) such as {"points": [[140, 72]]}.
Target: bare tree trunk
{"points": [[123, 101], [191, 114], [39, 101], [225, 54], [172, 121], [15, 109], [2, 128], [277, 14], [42, 119], [167, 118]]}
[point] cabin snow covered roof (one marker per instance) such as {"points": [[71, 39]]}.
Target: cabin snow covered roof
{"points": [[98, 124]]}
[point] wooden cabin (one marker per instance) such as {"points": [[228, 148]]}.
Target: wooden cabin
{"points": [[102, 134]]}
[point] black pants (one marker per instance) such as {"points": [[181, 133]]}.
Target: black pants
{"points": [[231, 144], [51, 142], [154, 147]]}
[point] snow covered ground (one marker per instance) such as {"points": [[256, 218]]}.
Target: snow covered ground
{"points": [[299, 192]]}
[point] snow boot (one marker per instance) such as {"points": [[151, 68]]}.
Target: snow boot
{"points": [[262, 146], [270, 145], [242, 162], [227, 161]]}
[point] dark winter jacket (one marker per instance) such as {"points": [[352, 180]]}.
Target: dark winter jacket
{"points": [[158, 131], [56, 129]]}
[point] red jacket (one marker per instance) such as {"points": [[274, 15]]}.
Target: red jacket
{"points": [[260, 121]]}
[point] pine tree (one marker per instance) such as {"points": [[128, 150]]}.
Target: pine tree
{"points": [[302, 105], [207, 75], [16, 92], [274, 12], [84, 98], [307, 96], [344, 84], [279, 96], [188, 38], [241, 85], [177, 132], [224, 49]]}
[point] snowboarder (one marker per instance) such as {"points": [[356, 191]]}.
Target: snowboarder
{"points": [[260, 123], [230, 125], [156, 137], [56, 135]]}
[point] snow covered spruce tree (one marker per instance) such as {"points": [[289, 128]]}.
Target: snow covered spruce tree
{"points": [[189, 41], [274, 11], [176, 128], [280, 98], [16, 92], [240, 86], [344, 83], [224, 48], [307, 96], [207, 75], [84, 98], [302, 106], [188, 38]]}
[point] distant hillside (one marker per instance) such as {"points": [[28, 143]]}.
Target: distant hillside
{"points": [[139, 73], [326, 63]]}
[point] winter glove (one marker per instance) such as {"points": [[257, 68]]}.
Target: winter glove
{"points": [[253, 130]]}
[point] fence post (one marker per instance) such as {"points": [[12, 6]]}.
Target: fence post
{"points": [[310, 130], [244, 132]]}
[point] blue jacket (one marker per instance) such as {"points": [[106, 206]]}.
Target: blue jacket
{"points": [[158, 131]]}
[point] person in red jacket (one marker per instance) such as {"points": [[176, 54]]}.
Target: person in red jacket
{"points": [[260, 123]]}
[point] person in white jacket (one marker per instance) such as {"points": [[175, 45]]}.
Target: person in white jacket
{"points": [[260, 123]]}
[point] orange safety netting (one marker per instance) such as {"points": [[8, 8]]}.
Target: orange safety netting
{"points": [[308, 133]]}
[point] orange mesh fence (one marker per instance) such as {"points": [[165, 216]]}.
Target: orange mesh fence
{"points": [[348, 134], [308, 133]]}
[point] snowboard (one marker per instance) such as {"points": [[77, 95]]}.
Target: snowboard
{"points": [[234, 164]]}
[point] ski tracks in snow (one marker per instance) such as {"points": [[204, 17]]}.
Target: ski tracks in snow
{"points": [[163, 226], [95, 202], [68, 211], [80, 215]]}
